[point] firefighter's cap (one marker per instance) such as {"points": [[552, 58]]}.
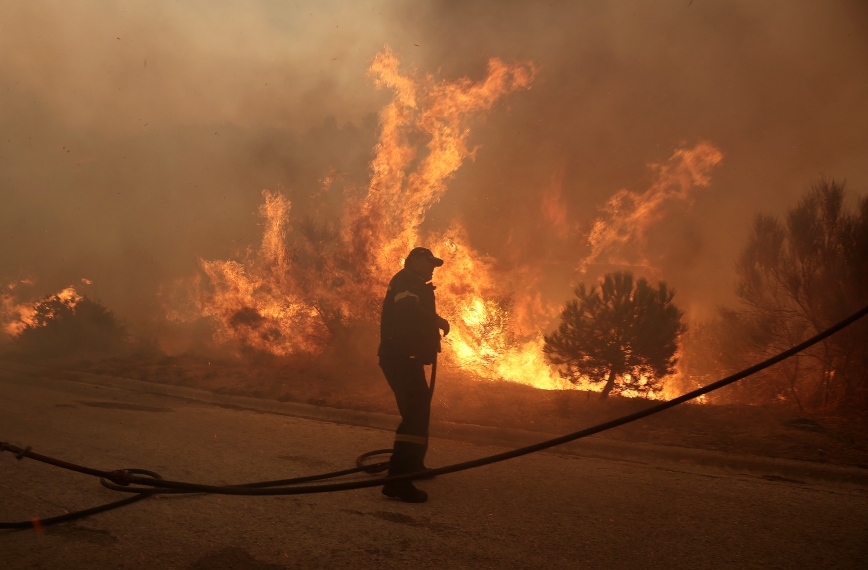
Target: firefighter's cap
{"points": [[424, 253]]}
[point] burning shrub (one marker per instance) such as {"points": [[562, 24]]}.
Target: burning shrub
{"points": [[309, 281], [64, 325], [618, 331]]}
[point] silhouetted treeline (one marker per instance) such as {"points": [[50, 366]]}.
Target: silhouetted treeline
{"points": [[796, 277]]}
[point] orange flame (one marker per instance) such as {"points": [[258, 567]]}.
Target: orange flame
{"points": [[259, 303], [267, 304], [496, 334], [384, 227], [627, 216], [286, 304], [16, 316]]}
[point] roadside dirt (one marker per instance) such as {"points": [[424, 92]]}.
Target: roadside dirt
{"points": [[766, 431]]}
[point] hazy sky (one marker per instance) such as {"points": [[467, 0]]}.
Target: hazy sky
{"points": [[138, 135]]}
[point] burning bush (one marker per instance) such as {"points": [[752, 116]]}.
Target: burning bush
{"points": [[65, 325], [618, 331]]}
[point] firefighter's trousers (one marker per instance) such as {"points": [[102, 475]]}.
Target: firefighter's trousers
{"points": [[406, 377]]}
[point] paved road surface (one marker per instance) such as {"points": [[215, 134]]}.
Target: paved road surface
{"points": [[542, 511]]}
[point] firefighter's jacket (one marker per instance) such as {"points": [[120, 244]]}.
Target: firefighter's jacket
{"points": [[409, 325]]}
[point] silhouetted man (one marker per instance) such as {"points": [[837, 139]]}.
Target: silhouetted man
{"points": [[409, 339]]}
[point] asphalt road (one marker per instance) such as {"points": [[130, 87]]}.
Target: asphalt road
{"points": [[541, 511]]}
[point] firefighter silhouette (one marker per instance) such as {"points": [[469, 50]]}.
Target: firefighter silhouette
{"points": [[410, 339]]}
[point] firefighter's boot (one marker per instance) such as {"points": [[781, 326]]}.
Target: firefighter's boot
{"points": [[418, 462], [404, 456]]}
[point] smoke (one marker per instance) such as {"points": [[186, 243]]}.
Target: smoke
{"points": [[137, 137], [621, 85]]}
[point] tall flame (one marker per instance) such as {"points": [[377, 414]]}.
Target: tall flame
{"points": [[268, 304], [384, 227], [287, 304], [258, 302]]}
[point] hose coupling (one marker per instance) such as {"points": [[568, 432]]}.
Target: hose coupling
{"points": [[120, 477]]}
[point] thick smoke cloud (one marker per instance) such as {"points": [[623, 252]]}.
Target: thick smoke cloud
{"points": [[779, 88], [137, 136]]}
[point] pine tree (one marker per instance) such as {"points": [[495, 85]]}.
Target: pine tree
{"points": [[618, 331]]}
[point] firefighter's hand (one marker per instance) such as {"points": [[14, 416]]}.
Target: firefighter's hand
{"points": [[443, 325]]}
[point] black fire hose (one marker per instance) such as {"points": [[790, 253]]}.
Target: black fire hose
{"points": [[152, 483]]}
